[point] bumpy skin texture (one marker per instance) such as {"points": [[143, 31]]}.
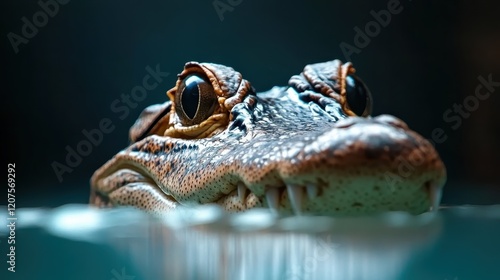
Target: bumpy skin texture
{"points": [[296, 149]]}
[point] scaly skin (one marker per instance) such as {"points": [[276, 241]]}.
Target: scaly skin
{"points": [[296, 149]]}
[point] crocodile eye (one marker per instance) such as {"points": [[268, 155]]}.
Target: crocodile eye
{"points": [[359, 98], [195, 100]]}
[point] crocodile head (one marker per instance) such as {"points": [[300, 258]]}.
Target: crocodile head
{"points": [[310, 147]]}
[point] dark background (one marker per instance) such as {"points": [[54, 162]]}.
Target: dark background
{"points": [[64, 79]]}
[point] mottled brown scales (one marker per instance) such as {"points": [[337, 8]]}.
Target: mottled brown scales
{"points": [[297, 149]]}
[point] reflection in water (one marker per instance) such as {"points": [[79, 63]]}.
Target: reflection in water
{"points": [[207, 243]]}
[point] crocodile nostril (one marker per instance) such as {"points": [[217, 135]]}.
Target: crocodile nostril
{"points": [[348, 122], [388, 119]]}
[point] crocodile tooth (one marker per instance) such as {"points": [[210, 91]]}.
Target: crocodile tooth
{"points": [[435, 196], [242, 192], [296, 194], [272, 197], [312, 191]]}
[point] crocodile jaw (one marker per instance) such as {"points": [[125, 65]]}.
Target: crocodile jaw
{"points": [[359, 166]]}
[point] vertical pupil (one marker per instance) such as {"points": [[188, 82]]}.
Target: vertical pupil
{"points": [[191, 96]]}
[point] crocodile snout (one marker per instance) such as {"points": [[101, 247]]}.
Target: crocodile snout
{"points": [[363, 165]]}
